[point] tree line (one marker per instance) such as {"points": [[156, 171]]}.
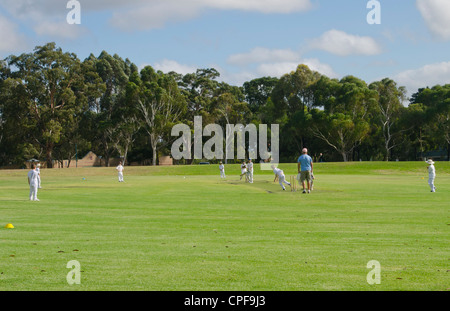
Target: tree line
{"points": [[54, 106]]}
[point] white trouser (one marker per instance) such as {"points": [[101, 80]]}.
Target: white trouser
{"points": [[33, 191], [431, 183], [39, 182], [281, 180], [222, 174], [250, 177], [120, 176]]}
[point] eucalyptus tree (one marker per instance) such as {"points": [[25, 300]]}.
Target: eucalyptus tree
{"points": [[389, 109], [109, 113], [293, 98], [344, 122], [159, 104], [436, 103], [47, 88], [199, 89], [258, 91]]}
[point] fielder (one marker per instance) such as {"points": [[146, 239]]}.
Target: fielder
{"points": [[431, 175], [38, 170], [281, 178], [222, 170], [119, 169], [33, 182], [250, 171]]}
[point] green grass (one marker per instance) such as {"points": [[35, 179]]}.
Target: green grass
{"points": [[182, 228]]}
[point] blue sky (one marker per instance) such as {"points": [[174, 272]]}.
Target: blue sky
{"points": [[246, 39]]}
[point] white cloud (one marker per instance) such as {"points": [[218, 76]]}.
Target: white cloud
{"points": [[259, 55], [316, 65], [263, 6], [167, 65], [146, 14], [59, 29], [235, 78], [276, 69], [153, 15], [344, 44], [46, 18], [246, 72], [280, 69], [157, 13], [436, 14], [274, 63], [11, 40], [429, 75]]}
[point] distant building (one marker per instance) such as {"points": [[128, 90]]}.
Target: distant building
{"points": [[165, 160]]}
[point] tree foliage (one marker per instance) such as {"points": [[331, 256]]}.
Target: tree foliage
{"points": [[53, 105]]}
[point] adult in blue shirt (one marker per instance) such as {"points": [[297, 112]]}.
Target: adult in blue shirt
{"points": [[305, 167]]}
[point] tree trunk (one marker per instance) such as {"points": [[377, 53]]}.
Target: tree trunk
{"points": [[154, 155], [49, 157], [125, 153], [448, 152]]}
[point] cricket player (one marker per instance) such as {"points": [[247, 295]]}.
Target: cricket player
{"points": [[305, 168], [431, 175], [250, 171], [244, 170], [222, 170], [281, 178], [33, 182], [38, 170], [119, 169]]}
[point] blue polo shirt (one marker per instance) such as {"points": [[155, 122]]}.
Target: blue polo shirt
{"points": [[305, 162]]}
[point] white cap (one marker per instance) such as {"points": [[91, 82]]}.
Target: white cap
{"points": [[430, 161]]}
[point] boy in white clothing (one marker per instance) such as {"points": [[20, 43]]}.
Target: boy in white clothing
{"points": [[33, 182], [431, 175], [281, 178], [38, 170], [119, 169], [222, 170]]}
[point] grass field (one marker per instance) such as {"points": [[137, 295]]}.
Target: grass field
{"points": [[183, 228]]}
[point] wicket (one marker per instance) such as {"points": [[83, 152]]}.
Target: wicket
{"points": [[294, 184]]}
